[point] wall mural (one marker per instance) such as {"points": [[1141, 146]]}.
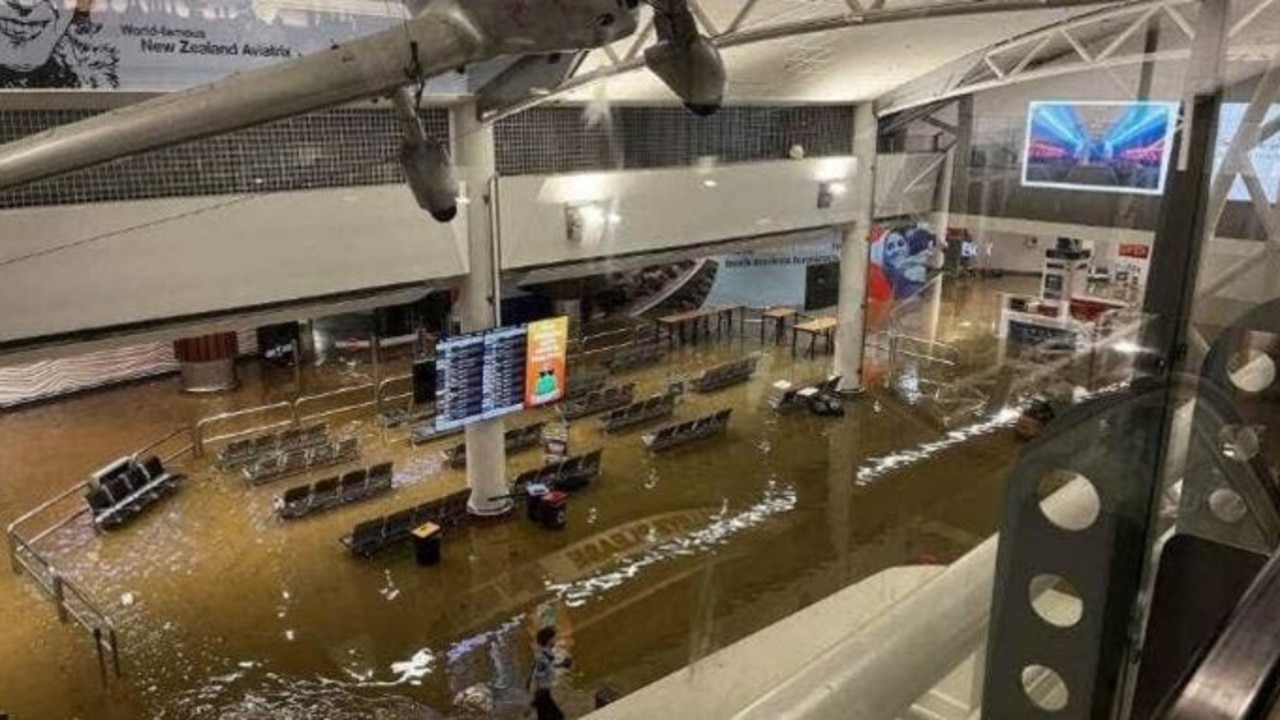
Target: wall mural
{"points": [[172, 44], [899, 260]]}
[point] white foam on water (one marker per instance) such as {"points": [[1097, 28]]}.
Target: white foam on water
{"points": [[776, 500]]}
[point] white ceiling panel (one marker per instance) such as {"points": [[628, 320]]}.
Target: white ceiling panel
{"points": [[847, 65]]}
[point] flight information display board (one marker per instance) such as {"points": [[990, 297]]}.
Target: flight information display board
{"points": [[480, 376]]}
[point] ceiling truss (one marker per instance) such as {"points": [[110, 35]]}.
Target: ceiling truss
{"points": [[1102, 40], [742, 30]]}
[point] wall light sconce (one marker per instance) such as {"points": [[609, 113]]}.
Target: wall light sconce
{"points": [[586, 221], [829, 191]]}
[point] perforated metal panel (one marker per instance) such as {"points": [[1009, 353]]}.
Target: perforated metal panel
{"points": [[347, 147], [548, 140], [335, 148]]}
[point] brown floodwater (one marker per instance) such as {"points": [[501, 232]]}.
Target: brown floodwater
{"points": [[226, 612]]}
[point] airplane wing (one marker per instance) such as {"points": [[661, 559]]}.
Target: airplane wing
{"points": [[446, 36]]}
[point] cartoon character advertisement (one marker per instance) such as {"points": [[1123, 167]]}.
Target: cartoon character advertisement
{"points": [[898, 267], [545, 361], [161, 45]]}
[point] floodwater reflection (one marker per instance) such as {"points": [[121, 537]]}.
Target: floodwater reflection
{"points": [[227, 612]]}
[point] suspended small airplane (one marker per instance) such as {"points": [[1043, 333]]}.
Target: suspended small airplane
{"points": [[447, 35]]}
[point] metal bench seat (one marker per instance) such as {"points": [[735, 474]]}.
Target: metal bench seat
{"points": [[687, 431], [567, 475], [515, 440], [325, 492], [367, 538], [722, 376], [598, 401], [333, 491], [274, 467], [126, 488], [375, 535]]}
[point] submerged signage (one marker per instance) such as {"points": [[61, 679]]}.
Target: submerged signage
{"points": [[147, 45]]}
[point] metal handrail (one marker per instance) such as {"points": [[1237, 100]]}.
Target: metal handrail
{"points": [[638, 334], [297, 409], [198, 439], [298, 404], [24, 556], [12, 528], [1236, 677], [71, 601], [382, 387], [159, 442], [951, 354]]}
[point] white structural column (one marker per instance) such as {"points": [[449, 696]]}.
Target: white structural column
{"points": [[480, 297], [851, 307]]}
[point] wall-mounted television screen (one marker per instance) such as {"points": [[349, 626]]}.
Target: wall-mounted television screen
{"points": [[1103, 146]]}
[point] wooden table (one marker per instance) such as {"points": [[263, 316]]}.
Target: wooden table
{"points": [[779, 317], [676, 323], [724, 315], [699, 320], [824, 326]]}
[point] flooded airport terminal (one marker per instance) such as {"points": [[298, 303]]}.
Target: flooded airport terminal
{"points": [[751, 359]]}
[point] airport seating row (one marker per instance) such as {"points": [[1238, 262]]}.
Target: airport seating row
{"points": [[567, 475], [333, 491], [427, 432], [373, 536], [650, 408], [722, 376], [247, 452], [395, 417], [638, 355], [582, 382], [785, 397], [125, 488], [598, 401], [516, 439], [285, 464], [688, 431]]}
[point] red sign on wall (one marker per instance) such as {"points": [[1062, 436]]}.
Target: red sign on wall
{"points": [[1135, 250]]}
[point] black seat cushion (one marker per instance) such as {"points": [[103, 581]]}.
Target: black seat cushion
{"points": [[154, 468]]}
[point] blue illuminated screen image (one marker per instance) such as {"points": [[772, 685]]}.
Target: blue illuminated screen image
{"points": [[1103, 146]]}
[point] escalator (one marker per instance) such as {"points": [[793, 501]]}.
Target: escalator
{"points": [[1233, 673]]}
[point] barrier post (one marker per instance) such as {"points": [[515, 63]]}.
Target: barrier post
{"points": [[115, 650], [13, 552], [102, 660], [59, 595], [297, 367]]}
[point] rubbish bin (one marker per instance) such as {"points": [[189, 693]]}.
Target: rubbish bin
{"points": [[426, 544], [534, 493], [555, 509]]}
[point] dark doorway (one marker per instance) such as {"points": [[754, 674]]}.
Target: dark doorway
{"points": [[821, 285]]}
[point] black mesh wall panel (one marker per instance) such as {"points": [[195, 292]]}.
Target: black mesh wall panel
{"points": [[347, 147], [547, 140], [335, 148]]}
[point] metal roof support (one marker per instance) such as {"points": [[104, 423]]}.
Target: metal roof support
{"points": [[735, 36]]}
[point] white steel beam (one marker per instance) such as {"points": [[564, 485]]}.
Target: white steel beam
{"points": [[873, 16], [1249, 17]]}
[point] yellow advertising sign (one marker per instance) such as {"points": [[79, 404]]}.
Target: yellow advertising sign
{"points": [[546, 361]]}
